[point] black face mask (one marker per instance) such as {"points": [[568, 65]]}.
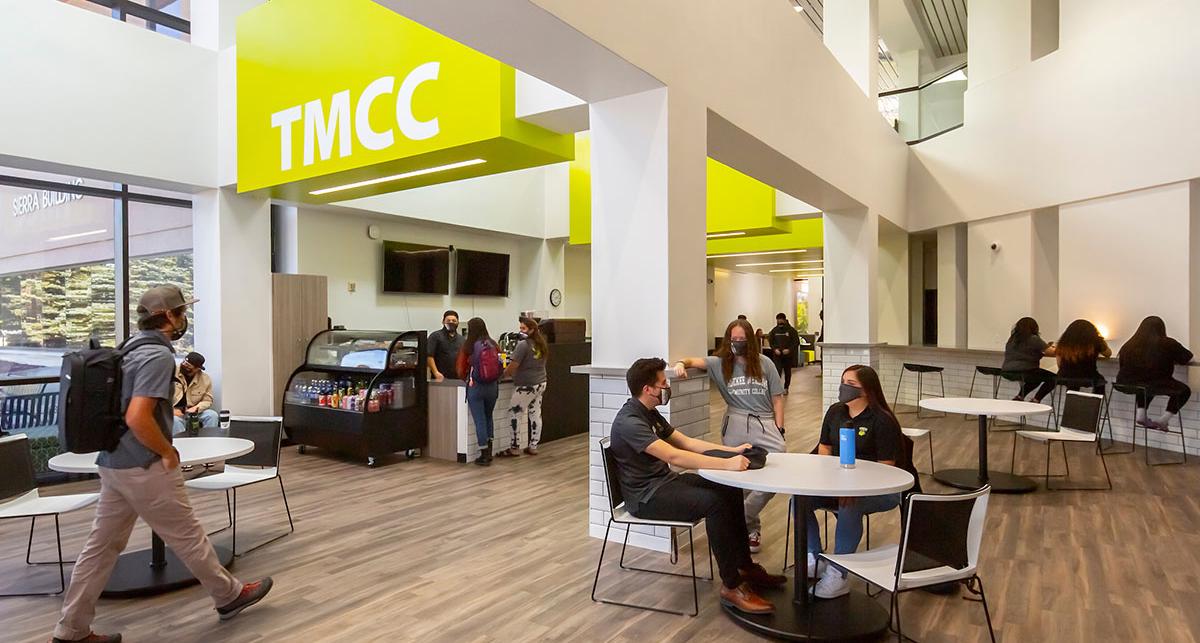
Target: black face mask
{"points": [[847, 393], [451, 328], [782, 322], [738, 347], [178, 332]]}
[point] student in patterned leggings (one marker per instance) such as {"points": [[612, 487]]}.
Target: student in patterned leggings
{"points": [[528, 370]]}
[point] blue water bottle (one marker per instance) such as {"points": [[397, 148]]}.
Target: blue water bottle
{"points": [[846, 446]]}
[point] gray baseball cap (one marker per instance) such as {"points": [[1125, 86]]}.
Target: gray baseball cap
{"points": [[161, 299]]}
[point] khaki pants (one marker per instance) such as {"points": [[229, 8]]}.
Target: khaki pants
{"points": [[158, 497]]}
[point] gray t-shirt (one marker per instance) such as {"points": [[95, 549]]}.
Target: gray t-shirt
{"points": [[531, 370], [1024, 354], [741, 392], [147, 371]]}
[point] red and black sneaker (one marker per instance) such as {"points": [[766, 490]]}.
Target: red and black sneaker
{"points": [[92, 637], [251, 594]]}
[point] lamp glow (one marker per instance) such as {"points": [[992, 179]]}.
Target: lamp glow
{"points": [[755, 254], [718, 235], [397, 177], [1103, 330]]}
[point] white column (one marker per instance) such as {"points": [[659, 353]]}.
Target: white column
{"points": [[231, 237], [952, 286], [1045, 270], [851, 298], [851, 32], [648, 265]]}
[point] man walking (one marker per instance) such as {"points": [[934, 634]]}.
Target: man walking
{"points": [[785, 342], [141, 478]]}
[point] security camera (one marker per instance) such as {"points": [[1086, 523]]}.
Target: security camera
{"points": [[995, 246]]}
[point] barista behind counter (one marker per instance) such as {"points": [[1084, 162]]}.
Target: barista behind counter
{"points": [[444, 345]]}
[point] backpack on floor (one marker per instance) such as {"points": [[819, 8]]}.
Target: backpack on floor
{"points": [[90, 413]]}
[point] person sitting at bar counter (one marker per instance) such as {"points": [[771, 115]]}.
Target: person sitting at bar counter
{"points": [[646, 446], [444, 346], [1023, 354], [862, 406], [1077, 351], [1148, 359], [527, 368]]}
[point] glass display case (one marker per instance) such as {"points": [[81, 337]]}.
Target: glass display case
{"points": [[360, 392]]}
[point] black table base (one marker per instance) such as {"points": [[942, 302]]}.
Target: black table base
{"points": [[970, 479], [853, 617], [137, 574]]}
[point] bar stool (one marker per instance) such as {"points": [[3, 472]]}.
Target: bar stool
{"points": [[920, 370], [987, 371], [1021, 377], [1141, 391], [915, 433]]}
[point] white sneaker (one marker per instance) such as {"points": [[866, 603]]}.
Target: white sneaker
{"points": [[832, 584], [812, 565], [755, 541]]}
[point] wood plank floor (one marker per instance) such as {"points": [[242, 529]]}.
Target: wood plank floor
{"points": [[433, 551]]}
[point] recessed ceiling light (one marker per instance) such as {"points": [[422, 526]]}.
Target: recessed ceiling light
{"points": [[397, 177], [797, 6], [754, 254], [78, 234], [798, 270], [718, 235], [779, 263]]}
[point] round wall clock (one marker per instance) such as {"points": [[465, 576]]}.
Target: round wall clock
{"points": [[556, 297]]}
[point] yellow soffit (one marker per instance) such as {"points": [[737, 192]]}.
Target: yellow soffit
{"points": [[363, 101]]}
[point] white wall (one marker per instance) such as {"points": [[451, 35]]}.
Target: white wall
{"points": [[335, 244], [1000, 282], [1113, 110], [98, 97], [999, 31], [577, 283], [893, 284], [1125, 257], [757, 296]]}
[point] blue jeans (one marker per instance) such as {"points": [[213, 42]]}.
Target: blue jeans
{"points": [[208, 420], [481, 400], [849, 520]]}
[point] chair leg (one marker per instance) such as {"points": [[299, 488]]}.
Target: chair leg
{"points": [[674, 547], [29, 545], [983, 599], [603, 546], [899, 381], [787, 538], [932, 468], [1066, 462], [233, 522], [970, 393], [920, 387], [695, 587], [62, 576]]}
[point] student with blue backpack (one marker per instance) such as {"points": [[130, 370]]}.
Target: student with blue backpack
{"points": [[479, 366]]}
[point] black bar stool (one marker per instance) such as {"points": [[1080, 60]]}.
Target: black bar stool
{"points": [[920, 370], [987, 371], [1137, 391]]}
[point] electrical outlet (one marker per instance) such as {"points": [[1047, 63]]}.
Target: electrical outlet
{"points": [[351, 286]]}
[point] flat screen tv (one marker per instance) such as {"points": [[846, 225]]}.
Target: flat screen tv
{"points": [[480, 273], [414, 268]]}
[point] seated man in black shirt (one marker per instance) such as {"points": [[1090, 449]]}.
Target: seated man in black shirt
{"points": [[862, 407], [644, 444]]}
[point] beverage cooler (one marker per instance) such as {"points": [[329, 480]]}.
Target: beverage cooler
{"points": [[360, 392]]}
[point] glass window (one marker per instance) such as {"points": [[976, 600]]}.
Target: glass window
{"points": [[160, 252]]}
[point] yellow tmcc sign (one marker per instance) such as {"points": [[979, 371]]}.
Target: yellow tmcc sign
{"points": [[347, 100]]}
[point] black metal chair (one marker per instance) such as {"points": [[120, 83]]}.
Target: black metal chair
{"points": [[1141, 392], [939, 543], [920, 370], [19, 498], [260, 465], [620, 515], [1080, 423]]}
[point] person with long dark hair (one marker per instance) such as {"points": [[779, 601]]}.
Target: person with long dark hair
{"points": [[1023, 354], [475, 368], [753, 394], [861, 406], [1077, 351], [528, 370], [1148, 359]]}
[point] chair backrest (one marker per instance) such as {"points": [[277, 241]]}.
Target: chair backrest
{"points": [[942, 531], [615, 497], [264, 432], [1081, 411], [16, 466]]}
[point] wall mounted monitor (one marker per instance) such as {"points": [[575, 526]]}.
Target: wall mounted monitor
{"points": [[414, 268], [480, 273]]}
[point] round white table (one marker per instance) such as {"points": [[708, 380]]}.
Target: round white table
{"points": [[157, 570], [802, 476], [984, 408]]}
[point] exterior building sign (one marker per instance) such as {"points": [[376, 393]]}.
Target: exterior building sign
{"points": [[30, 202]]}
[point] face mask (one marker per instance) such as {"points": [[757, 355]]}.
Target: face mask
{"points": [[847, 393], [523, 335], [451, 328], [179, 331], [664, 395], [739, 347], [782, 322]]}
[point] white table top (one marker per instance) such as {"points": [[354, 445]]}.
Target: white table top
{"points": [[805, 474], [191, 451], [983, 406]]}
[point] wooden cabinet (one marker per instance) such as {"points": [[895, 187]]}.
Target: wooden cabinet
{"points": [[299, 310]]}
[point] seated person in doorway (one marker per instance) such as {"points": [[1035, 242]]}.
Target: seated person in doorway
{"points": [[193, 394], [1149, 359], [1023, 354], [862, 406], [785, 345], [645, 447], [444, 346], [1077, 351]]}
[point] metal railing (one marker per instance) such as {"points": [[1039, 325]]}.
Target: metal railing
{"points": [[927, 110]]}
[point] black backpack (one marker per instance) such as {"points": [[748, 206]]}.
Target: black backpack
{"points": [[90, 413]]}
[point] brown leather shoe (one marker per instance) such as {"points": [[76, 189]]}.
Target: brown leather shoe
{"points": [[92, 637], [757, 576], [743, 599]]}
